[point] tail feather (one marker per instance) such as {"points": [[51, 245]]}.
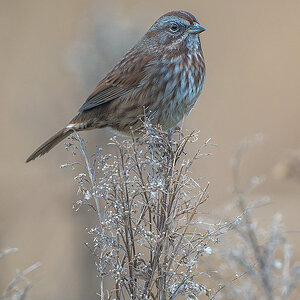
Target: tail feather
{"points": [[50, 143]]}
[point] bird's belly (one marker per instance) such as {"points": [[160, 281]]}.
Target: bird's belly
{"points": [[181, 92], [178, 104], [175, 110]]}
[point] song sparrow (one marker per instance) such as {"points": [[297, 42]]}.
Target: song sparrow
{"points": [[162, 74]]}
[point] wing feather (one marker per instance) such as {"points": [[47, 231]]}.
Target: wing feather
{"points": [[124, 78]]}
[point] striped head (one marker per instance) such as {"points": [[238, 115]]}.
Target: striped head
{"points": [[174, 32]]}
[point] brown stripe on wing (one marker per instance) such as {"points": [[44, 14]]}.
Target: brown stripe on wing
{"points": [[124, 78]]}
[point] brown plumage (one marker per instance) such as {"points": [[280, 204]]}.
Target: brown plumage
{"points": [[162, 74]]}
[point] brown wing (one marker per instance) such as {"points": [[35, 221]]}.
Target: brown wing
{"points": [[124, 78]]}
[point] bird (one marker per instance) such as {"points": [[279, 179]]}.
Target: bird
{"points": [[163, 74]]}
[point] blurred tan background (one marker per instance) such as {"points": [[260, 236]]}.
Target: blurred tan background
{"points": [[52, 53]]}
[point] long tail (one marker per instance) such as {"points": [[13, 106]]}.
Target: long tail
{"points": [[50, 143]]}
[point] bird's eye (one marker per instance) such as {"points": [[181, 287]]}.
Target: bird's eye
{"points": [[174, 27]]}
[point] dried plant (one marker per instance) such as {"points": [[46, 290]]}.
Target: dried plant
{"points": [[18, 288], [289, 167], [150, 239], [260, 260], [147, 239]]}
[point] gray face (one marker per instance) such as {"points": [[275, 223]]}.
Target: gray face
{"points": [[171, 25], [192, 41], [173, 32]]}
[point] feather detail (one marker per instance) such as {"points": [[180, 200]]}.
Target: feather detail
{"points": [[124, 78]]}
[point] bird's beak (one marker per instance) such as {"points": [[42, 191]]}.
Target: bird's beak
{"points": [[195, 28]]}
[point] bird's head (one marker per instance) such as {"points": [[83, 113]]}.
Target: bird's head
{"points": [[175, 31]]}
